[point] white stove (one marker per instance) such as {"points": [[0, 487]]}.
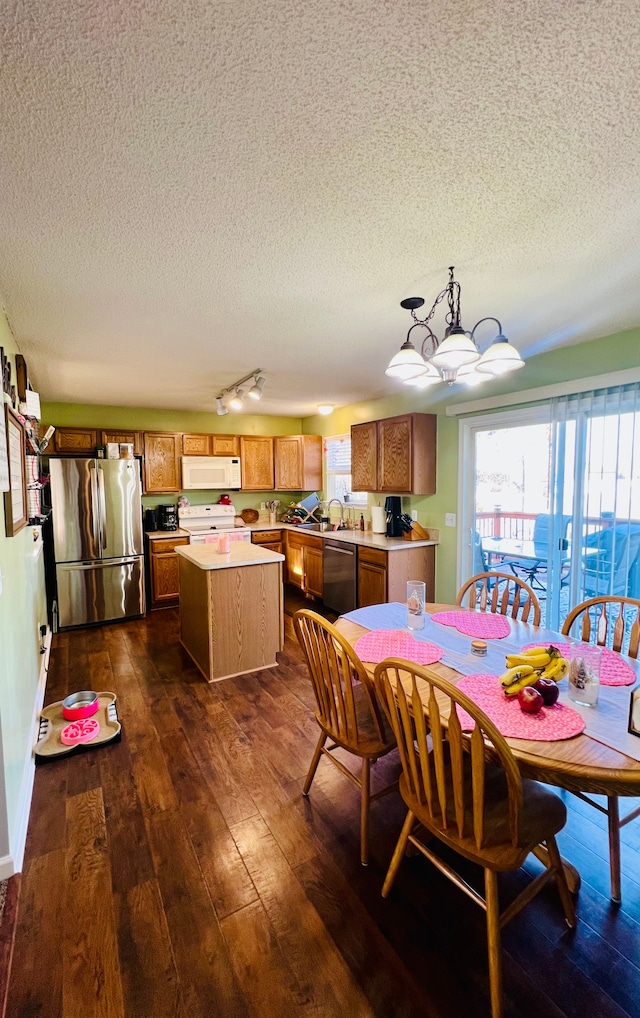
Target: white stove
{"points": [[205, 523]]}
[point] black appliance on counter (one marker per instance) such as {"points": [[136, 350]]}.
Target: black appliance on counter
{"points": [[150, 520], [167, 517], [393, 509]]}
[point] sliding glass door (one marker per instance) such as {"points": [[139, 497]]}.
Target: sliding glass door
{"points": [[551, 494]]}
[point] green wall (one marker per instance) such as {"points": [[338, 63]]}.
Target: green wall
{"points": [[612, 353], [582, 360], [22, 611]]}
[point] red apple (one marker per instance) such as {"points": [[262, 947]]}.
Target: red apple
{"points": [[530, 700], [549, 690]]}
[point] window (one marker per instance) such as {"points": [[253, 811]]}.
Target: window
{"points": [[338, 465]]}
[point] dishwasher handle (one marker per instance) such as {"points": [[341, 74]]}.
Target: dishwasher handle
{"points": [[339, 548]]}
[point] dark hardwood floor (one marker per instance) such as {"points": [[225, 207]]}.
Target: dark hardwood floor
{"points": [[181, 872]]}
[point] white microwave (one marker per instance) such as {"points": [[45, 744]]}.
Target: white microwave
{"points": [[201, 472]]}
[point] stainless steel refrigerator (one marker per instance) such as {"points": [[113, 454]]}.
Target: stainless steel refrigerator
{"points": [[97, 538]]}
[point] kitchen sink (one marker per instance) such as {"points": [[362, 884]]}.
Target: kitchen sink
{"points": [[315, 526]]}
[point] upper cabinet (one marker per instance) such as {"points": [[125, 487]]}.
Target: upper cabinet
{"points": [[298, 462], [133, 438], [256, 456], [75, 441], [162, 451], [396, 455], [210, 445]]}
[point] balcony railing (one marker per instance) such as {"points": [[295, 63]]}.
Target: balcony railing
{"points": [[519, 526]]}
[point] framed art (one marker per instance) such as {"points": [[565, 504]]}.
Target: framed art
{"points": [[15, 499]]}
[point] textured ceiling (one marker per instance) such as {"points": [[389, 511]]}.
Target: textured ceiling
{"points": [[190, 189]]}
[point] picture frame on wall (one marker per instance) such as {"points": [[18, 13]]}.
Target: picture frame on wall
{"points": [[4, 459], [15, 499]]}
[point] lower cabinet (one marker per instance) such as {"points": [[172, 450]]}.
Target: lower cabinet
{"points": [[304, 562], [383, 575], [271, 539], [164, 571]]}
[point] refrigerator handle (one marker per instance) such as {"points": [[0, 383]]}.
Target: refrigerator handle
{"points": [[102, 510], [95, 515]]}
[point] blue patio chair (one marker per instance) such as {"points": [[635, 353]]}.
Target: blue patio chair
{"points": [[613, 566], [529, 568]]}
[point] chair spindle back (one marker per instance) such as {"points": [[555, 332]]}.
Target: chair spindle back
{"points": [[603, 610], [419, 703]]}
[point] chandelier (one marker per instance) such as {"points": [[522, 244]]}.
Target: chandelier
{"points": [[456, 358]]}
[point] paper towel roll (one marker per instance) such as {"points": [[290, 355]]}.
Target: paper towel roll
{"points": [[378, 519]]}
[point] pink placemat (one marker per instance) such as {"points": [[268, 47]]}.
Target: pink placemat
{"points": [[615, 671], [550, 724], [381, 643], [484, 625]]}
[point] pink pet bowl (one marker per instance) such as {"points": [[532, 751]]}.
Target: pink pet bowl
{"points": [[81, 705]]}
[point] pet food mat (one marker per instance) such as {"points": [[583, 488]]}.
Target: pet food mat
{"points": [[49, 746]]}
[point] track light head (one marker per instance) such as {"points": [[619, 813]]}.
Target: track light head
{"points": [[255, 392], [235, 403], [221, 409]]}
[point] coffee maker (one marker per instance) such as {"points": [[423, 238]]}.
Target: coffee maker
{"points": [[393, 509], [167, 517]]}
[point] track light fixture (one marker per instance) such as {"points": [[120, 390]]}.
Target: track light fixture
{"points": [[231, 398], [456, 358]]}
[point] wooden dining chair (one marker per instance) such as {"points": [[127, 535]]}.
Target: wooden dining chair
{"points": [[347, 710], [466, 790], [604, 621], [502, 594]]}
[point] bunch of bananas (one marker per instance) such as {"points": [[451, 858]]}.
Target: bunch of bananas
{"points": [[525, 668]]}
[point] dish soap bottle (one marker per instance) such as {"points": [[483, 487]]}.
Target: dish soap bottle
{"points": [[361, 522]]}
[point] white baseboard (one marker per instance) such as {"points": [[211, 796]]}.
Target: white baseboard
{"points": [[10, 864]]}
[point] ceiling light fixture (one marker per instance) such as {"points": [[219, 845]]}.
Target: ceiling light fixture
{"points": [[325, 408], [456, 357], [255, 392], [231, 398]]}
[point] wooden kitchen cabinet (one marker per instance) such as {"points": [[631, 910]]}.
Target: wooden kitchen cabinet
{"points": [[298, 462], [403, 450], [383, 575], [364, 456], [75, 441], [210, 445], [162, 451], [164, 571], [133, 438], [271, 539], [304, 560], [256, 455]]}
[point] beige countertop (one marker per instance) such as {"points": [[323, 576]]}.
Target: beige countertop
{"points": [[241, 553], [364, 538]]}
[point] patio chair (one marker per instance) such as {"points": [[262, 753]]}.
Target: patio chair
{"points": [[596, 620], [347, 710], [528, 569], [612, 568], [501, 594], [466, 791]]}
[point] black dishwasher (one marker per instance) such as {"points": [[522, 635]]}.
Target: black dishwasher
{"points": [[339, 568]]}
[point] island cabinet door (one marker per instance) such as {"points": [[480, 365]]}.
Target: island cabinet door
{"points": [[372, 577], [256, 455]]}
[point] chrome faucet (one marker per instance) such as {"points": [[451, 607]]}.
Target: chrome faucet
{"points": [[341, 527]]}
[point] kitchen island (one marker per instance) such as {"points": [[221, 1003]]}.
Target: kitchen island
{"points": [[231, 608]]}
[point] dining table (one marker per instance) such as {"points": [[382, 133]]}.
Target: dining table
{"points": [[603, 759]]}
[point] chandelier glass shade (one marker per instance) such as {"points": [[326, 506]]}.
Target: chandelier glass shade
{"points": [[456, 357]]}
